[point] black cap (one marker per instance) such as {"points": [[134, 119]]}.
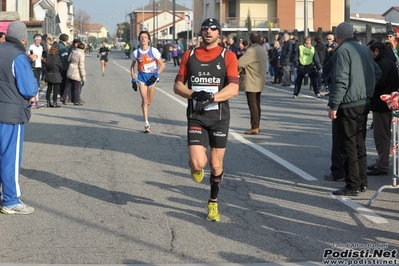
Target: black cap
{"points": [[210, 22], [390, 32]]}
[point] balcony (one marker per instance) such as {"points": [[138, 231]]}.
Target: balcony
{"points": [[257, 22]]}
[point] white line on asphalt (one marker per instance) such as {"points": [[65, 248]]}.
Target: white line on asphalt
{"points": [[367, 213], [127, 70], [274, 157], [302, 95]]}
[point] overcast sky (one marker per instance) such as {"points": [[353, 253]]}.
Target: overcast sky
{"points": [[111, 12]]}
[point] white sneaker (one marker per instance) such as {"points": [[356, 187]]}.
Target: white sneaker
{"points": [[147, 128], [318, 95], [17, 209]]}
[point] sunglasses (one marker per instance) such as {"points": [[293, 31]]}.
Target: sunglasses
{"points": [[329, 39], [389, 36], [212, 27]]}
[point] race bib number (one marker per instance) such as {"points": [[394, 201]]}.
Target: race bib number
{"points": [[150, 67], [213, 89], [103, 53]]}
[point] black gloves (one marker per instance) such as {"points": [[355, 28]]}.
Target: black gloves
{"points": [[203, 98], [83, 83], [196, 95], [153, 79], [134, 84], [199, 108]]}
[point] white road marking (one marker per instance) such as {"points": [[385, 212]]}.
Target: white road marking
{"points": [[367, 213], [274, 157]]}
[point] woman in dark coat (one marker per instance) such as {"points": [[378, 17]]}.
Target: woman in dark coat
{"points": [[275, 62], [53, 67]]}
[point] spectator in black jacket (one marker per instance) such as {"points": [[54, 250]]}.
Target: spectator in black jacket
{"points": [[53, 67], [63, 54], [330, 47], [285, 59], [294, 56], [275, 62], [232, 45], [382, 116], [321, 52]]}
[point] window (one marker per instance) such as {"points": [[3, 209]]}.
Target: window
{"points": [[300, 14], [232, 8]]}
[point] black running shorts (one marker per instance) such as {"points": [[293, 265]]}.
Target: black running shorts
{"points": [[104, 58], [208, 133]]}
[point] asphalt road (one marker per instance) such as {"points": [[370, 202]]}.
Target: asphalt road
{"points": [[106, 193]]}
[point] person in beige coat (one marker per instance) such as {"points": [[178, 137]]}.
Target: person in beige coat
{"points": [[76, 74], [252, 69]]}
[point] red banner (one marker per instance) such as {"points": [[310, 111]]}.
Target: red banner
{"points": [[4, 26]]}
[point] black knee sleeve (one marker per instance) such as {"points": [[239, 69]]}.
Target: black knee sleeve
{"points": [[216, 182]]}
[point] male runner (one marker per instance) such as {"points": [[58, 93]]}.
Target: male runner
{"points": [[149, 66], [103, 54], [211, 74]]}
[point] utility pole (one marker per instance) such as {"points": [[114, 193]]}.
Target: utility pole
{"points": [[188, 24], [142, 20], [174, 20], [347, 11], [153, 21], [157, 11], [305, 19], [81, 26]]}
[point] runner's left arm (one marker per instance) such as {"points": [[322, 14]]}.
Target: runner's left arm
{"points": [[158, 56]]}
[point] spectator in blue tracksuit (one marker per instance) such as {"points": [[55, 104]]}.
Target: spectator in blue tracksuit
{"points": [[18, 87]]}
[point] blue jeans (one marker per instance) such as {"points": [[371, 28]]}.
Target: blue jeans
{"points": [[319, 79], [271, 70]]}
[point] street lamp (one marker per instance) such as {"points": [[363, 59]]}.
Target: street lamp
{"points": [[153, 20], [157, 6], [188, 24], [142, 19], [128, 11]]}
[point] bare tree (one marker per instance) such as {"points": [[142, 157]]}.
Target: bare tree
{"points": [[81, 22], [123, 31], [249, 21]]}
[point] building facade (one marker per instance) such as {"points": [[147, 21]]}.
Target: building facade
{"points": [[99, 31], [157, 18], [43, 16], [275, 15]]}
